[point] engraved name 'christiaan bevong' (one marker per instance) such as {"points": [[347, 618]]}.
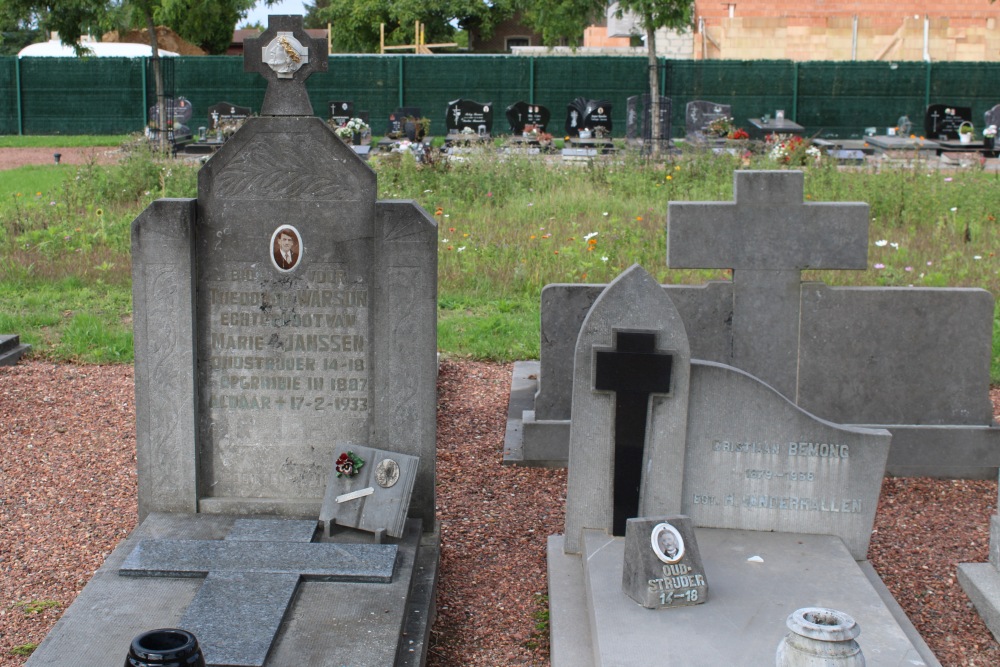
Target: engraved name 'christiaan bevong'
{"points": [[826, 450]]}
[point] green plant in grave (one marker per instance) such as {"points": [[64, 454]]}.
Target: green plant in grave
{"points": [[24, 650]]}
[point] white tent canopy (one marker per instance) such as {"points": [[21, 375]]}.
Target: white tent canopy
{"points": [[56, 49]]}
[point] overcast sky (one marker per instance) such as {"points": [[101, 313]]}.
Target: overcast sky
{"points": [[259, 12]]}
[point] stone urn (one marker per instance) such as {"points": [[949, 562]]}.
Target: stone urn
{"points": [[820, 637]]}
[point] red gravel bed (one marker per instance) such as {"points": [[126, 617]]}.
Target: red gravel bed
{"points": [[67, 497], [11, 158]]}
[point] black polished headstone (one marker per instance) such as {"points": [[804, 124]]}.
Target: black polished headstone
{"points": [[341, 112], [520, 114], [699, 113], [396, 119], [943, 120], [638, 117], [476, 116], [224, 111], [633, 370], [584, 114]]}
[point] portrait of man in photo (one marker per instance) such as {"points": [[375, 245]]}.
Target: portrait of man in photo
{"points": [[667, 543], [286, 248]]}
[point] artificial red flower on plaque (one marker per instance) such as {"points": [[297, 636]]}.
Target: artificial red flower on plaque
{"points": [[348, 464]]}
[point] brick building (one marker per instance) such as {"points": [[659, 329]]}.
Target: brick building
{"points": [[945, 30]]}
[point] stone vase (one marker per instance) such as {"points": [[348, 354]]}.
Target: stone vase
{"points": [[820, 637], [167, 647]]}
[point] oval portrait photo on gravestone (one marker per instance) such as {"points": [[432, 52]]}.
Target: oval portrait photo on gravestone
{"points": [[668, 545], [286, 248]]}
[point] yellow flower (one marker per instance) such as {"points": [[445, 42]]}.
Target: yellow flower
{"points": [[677, 167], [669, 177]]}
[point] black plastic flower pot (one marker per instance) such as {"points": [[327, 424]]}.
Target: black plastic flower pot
{"points": [[166, 647]]}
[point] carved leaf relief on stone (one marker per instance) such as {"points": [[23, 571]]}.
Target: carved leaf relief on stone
{"points": [[263, 170]]}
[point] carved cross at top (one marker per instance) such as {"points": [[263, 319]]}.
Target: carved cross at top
{"points": [[286, 56], [767, 236]]}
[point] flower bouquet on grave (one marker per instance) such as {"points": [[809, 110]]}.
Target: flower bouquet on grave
{"points": [[353, 130], [990, 137], [738, 134], [791, 149], [720, 127]]}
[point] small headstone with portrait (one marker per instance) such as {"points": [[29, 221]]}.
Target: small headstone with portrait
{"points": [[663, 567]]}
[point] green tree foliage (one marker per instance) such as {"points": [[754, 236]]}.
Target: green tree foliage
{"points": [[355, 24], [655, 14], [558, 20], [208, 24]]}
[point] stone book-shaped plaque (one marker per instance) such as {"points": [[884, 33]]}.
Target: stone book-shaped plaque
{"points": [[663, 567], [369, 489]]}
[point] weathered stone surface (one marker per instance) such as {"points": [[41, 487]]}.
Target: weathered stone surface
{"points": [[381, 492], [633, 302], [662, 566]]}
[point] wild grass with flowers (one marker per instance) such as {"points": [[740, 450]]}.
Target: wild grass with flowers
{"points": [[508, 224]]}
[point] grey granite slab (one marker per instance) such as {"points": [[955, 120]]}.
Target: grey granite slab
{"points": [[325, 562], [272, 530], [11, 349], [236, 615], [112, 609], [744, 619]]}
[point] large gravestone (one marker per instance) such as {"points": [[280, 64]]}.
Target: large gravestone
{"points": [[281, 318], [587, 114], [699, 113], [226, 113], [469, 116], [639, 118], [521, 113], [782, 504], [941, 121], [845, 353]]}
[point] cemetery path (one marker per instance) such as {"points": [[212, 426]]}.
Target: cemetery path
{"points": [[11, 158], [68, 489]]}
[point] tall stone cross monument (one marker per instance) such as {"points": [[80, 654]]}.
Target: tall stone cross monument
{"points": [[283, 316], [767, 236]]}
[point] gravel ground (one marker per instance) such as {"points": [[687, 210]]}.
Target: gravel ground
{"points": [[67, 497], [11, 158]]}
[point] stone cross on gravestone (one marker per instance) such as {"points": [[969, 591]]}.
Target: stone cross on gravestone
{"points": [[632, 370], [250, 580], [286, 56], [767, 236]]}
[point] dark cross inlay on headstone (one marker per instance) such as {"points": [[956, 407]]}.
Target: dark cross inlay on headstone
{"points": [[633, 370], [250, 580], [286, 56]]}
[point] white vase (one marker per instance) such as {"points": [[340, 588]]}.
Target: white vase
{"points": [[820, 638], [965, 138]]}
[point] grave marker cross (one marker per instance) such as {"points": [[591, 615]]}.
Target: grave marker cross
{"points": [[767, 236], [633, 370], [251, 578], [286, 56]]}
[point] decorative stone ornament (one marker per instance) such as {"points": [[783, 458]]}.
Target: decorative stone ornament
{"points": [[820, 637], [285, 55]]}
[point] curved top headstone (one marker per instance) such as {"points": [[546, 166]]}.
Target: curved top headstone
{"points": [[632, 304]]}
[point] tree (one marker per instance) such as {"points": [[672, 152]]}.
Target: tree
{"points": [[655, 14], [208, 24], [355, 24], [557, 20]]}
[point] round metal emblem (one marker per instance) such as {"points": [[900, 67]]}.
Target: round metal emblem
{"points": [[386, 473]]}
